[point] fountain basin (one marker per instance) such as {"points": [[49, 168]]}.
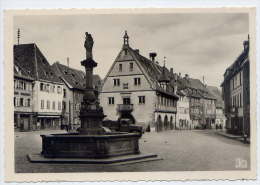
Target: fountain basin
{"points": [[89, 146]]}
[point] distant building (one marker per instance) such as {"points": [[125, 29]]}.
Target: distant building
{"points": [[220, 116], [23, 110], [201, 102], [47, 88], [139, 89], [73, 92], [236, 94], [183, 111]]}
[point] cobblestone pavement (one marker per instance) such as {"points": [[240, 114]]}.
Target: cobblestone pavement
{"points": [[180, 150]]}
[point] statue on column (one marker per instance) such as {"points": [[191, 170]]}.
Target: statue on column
{"points": [[89, 42]]}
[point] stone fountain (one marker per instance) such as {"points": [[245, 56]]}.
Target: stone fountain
{"points": [[92, 143]]}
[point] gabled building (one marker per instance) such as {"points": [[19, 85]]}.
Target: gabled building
{"points": [[23, 109], [47, 88], [201, 102], [236, 94], [73, 92], [139, 89]]}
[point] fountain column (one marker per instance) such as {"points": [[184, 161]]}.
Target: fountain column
{"points": [[91, 114]]}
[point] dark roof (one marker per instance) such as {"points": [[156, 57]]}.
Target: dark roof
{"points": [[30, 59], [238, 63], [217, 93], [154, 71], [75, 78], [196, 88], [20, 72]]}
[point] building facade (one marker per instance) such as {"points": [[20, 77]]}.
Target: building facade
{"points": [[236, 94], [202, 106], [139, 89], [183, 120], [23, 108], [73, 92], [220, 116], [47, 88]]}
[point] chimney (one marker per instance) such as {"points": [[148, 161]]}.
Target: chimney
{"points": [[152, 56], [68, 61], [187, 76], [171, 70], [179, 74]]}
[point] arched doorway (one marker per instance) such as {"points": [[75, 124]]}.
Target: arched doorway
{"points": [[159, 124], [166, 123]]}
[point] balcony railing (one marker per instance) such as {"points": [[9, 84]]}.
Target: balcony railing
{"points": [[125, 107]]}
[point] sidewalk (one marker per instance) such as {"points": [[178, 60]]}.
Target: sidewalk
{"points": [[231, 136]]}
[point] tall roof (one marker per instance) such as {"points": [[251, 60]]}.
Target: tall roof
{"points": [[239, 62], [217, 93], [33, 62], [19, 72], [153, 70], [196, 84], [74, 78]]}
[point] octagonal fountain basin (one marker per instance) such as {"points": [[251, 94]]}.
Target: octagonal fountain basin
{"points": [[74, 145]]}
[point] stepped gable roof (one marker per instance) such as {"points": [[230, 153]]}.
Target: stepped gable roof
{"points": [[218, 95], [30, 59], [74, 77]]}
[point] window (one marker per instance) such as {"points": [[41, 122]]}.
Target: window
{"points": [[137, 81], [125, 50], [28, 102], [42, 104], [131, 67], [141, 99], [125, 86], [120, 67], [47, 87], [63, 105], [111, 100], [64, 93], [15, 101], [58, 89], [59, 105], [48, 104], [41, 86], [116, 82], [21, 102], [53, 105]]}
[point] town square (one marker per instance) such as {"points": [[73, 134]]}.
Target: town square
{"points": [[97, 93]]}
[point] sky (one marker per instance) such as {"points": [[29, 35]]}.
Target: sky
{"points": [[197, 44]]}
